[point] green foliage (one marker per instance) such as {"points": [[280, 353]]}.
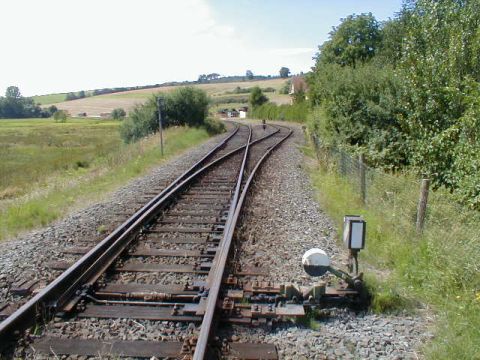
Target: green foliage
{"points": [[359, 108], [271, 111], [213, 126], [355, 40], [257, 97], [285, 89], [60, 116], [184, 106], [284, 72], [412, 99], [15, 106], [118, 114], [142, 121]]}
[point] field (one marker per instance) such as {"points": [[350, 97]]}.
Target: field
{"points": [[96, 105], [49, 99], [49, 167]]}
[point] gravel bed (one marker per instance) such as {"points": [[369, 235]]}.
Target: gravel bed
{"points": [[27, 256], [282, 221]]}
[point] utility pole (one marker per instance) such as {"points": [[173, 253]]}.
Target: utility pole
{"points": [[160, 127]]}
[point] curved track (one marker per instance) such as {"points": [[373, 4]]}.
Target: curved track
{"points": [[165, 265]]}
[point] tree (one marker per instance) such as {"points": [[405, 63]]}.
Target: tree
{"points": [[60, 116], [284, 72], [257, 97], [249, 74], [118, 114], [13, 92], [184, 106], [355, 40]]}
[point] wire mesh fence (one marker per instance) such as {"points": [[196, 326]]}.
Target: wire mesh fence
{"points": [[446, 233]]}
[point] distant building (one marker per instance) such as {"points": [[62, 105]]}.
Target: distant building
{"points": [[298, 84], [243, 111], [233, 113]]}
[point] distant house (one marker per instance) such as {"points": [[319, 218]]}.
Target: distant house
{"points": [[298, 84], [243, 111], [233, 113]]}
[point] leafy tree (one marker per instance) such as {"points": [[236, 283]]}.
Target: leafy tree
{"points": [[118, 114], [257, 97], [249, 74], [13, 92], [184, 106], [60, 116], [284, 72], [355, 40]]}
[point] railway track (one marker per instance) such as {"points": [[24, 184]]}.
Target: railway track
{"points": [[167, 268]]}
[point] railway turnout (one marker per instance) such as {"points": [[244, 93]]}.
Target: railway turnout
{"points": [[171, 264]]}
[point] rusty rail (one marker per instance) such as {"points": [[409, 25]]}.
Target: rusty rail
{"points": [[87, 269], [220, 261]]}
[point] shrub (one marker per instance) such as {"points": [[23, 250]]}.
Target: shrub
{"points": [[213, 126], [118, 114], [60, 116]]}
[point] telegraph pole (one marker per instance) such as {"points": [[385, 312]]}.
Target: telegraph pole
{"points": [[160, 127]]}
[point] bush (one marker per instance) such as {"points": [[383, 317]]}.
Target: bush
{"points": [[257, 97], [184, 106], [213, 126], [118, 114], [271, 111], [60, 116]]}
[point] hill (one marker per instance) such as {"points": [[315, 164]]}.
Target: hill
{"points": [[219, 92]]}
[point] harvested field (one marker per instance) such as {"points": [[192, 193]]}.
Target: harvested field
{"points": [[96, 105]]}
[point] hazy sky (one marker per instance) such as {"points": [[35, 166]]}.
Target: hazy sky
{"points": [[65, 45]]}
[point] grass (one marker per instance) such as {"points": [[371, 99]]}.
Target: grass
{"points": [[439, 268], [49, 99], [91, 161]]}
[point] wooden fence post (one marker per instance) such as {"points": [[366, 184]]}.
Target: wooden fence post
{"points": [[363, 182], [422, 204]]}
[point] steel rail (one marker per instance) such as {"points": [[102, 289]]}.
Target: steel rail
{"points": [[220, 263], [97, 260], [26, 315]]}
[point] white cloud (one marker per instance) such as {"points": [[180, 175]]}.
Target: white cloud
{"points": [[66, 45]]}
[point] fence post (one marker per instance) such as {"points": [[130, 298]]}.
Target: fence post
{"points": [[363, 183], [422, 204]]}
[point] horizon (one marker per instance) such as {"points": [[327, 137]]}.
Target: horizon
{"points": [[93, 45]]}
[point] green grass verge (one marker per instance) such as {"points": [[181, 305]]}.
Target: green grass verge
{"points": [[49, 99], [70, 188], [440, 268]]}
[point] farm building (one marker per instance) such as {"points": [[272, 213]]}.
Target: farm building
{"points": [[298, 84]]}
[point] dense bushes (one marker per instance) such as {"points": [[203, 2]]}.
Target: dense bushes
{"points": [[406, 92], [184, 106], [271, 111], [15, 106]]}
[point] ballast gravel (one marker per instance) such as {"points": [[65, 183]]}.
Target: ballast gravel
{"points": [[27, 257], [282, 221]]}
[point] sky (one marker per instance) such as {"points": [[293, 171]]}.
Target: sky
{"points": [[50, 46]]}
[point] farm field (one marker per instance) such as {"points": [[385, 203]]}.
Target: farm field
{"points": [[49, 99], [96, 105], [48, 167]]}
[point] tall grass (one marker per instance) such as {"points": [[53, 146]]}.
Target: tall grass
{"points": [[440, 267], [53, 197]]}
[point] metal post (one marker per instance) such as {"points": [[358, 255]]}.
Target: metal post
{"points": [[160, 127], [422, 204], [363, 183]]}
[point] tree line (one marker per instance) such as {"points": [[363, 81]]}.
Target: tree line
{"points": [[15, 106], [405, 92]]}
